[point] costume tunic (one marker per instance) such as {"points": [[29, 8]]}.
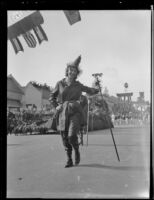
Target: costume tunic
{"points": [[68, 96]]}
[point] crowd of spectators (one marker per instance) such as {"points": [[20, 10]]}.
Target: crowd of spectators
{"points": [[27, 122], [35, 122], [138, 119]]}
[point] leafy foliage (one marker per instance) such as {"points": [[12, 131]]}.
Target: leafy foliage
{"points": [[40, 86]]}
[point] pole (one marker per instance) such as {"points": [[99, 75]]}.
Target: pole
{"points": [[152, 96], [152, 68], [111, 132], [92, 116], [87, 120], [98, 83]]}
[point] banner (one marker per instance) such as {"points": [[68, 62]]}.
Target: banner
{"points": [[40, 34], [21, 23], [30, 40], [72, 16], [16, 45]]}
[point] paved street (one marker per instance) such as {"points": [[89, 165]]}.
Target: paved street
{"points": [[35, 166]]}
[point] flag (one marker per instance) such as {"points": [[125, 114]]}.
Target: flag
{"points": [[72, 16], [20, 23], [30, 40], [16, 44], [40, 34]]}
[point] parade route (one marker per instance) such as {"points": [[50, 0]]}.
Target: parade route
{"points": [[35, 166]]}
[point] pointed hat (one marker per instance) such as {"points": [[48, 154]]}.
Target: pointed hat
{"points": [[75, 63]]}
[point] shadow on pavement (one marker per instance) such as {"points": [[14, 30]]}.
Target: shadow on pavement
{"points": [[116, 145], [96, 165]]}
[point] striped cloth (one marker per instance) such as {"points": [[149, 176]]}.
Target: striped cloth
{"points": [[30, 40], [16, 44], [40, 34]]}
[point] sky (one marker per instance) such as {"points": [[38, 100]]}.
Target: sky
{"points": [[116, 43]]}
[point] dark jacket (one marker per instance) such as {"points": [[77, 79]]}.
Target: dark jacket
{"points": [[69, 98]]}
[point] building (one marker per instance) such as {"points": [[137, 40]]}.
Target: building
{"points": [[141, 104], [36, 96], [15, 94], [125, 96]]}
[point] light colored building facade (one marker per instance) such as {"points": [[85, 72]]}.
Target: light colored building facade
{"points": [[36, 97], [15, 94]]}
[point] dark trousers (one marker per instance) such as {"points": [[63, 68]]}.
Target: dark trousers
{"points": [[70, 136]]}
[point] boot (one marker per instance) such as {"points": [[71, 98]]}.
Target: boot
{"points": [[69, 162], [77, 156]]}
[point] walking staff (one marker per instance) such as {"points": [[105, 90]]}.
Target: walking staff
{"points": [[97, 82], [87, 120]]}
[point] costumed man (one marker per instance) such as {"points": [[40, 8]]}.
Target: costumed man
{"points": [[65, 97]]}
